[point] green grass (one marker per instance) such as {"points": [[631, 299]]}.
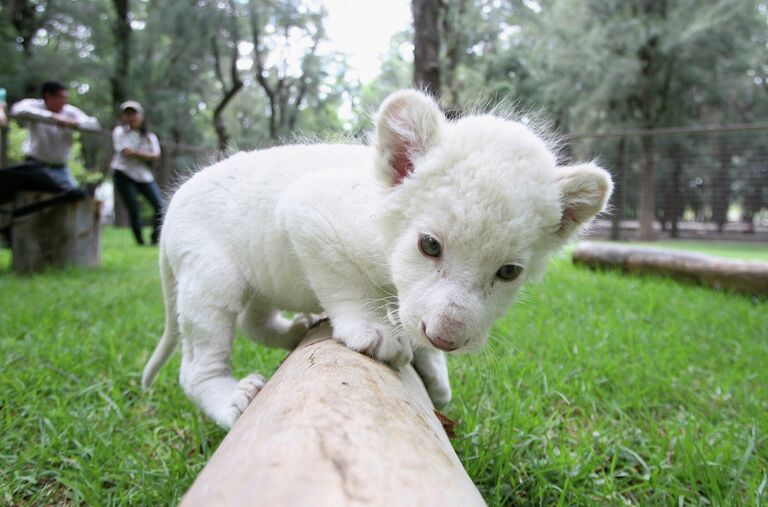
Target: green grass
{"points": [[731, 249], [595, 389]]}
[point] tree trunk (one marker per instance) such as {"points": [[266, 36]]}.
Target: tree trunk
{"points": [[455, 47], [648, 102], [647, 192], [285, 94], [229, 93], [426, 45], [119, 82], [122, 32], [333, 427], [721, 186], [619, 195], [234, 76], [676, 196], [27, 18]]}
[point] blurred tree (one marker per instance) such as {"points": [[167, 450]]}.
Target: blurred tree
{"points": [[608, 64], [163, 54], [635, 63], [174, 69], [455, 42], [396, 73], [228, 32], [27, 18], [283, 32], [122, 38], [426, 45], [484, 54]]}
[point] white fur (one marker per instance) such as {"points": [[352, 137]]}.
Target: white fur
{"points": [[336, 228]]}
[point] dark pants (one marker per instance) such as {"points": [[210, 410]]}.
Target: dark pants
{"points": [[34, 176], [128, 188]]}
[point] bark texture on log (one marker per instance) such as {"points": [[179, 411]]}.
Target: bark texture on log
{"points": [[64, 234], [333, 427], [750, 277]]}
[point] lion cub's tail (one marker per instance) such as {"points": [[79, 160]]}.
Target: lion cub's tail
{"points": [[168, 341]]}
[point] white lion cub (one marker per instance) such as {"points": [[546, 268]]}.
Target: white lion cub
{"points": [[412, 246]]}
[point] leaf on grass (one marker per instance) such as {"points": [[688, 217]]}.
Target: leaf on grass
{"points": [[449, 425]]}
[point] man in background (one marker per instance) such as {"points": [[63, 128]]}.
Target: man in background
{"points": [[50, 121]]}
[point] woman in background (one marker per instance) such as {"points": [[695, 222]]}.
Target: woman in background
{"points": [[136, 149]]}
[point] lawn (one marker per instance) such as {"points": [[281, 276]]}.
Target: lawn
{"points": [[595, 389]]}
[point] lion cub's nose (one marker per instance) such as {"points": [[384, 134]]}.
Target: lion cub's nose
{"points": [[439, 342]]}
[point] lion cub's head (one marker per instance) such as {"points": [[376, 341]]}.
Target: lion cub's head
{"points": [[472, 209]]}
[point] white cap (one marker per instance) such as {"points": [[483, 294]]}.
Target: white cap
{"points": [[131, 104]]}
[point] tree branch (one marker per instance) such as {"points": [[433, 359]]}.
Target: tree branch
{"points": [[237, 83], [303, 83], [253, 17]]}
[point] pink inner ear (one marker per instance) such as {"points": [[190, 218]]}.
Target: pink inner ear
{"points": [[402, 165], [569, 217]]}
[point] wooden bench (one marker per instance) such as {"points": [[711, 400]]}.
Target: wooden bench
{"points": [[50, 230]]}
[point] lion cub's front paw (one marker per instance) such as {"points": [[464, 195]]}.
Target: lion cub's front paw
{"points": [[375, 340], [439, 391]]}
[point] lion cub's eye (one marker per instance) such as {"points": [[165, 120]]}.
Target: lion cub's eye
{"points": [[429, 246], [509, 272]]}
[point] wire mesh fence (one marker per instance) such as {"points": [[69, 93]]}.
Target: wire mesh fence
{"points": [[683, 182], [669, 183]]}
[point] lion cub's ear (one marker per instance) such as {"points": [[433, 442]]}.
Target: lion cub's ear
{"points": [[408, 125], [584, 192]]}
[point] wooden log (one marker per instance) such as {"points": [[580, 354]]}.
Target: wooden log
{"points": [[750, 277], [63, 234], [333, 427]]}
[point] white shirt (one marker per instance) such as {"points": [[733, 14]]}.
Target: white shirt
{"points": [[47, 142], [124, 137]]}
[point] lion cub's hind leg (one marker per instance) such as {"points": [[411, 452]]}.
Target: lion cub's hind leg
{"points": [[209, 301], [266, 325]]}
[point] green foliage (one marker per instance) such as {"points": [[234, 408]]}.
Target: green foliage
{"points": [[602, 65], [16, 136], [580, 61], [172, 65], [642, 64], [595, 389], [81, 170]]}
